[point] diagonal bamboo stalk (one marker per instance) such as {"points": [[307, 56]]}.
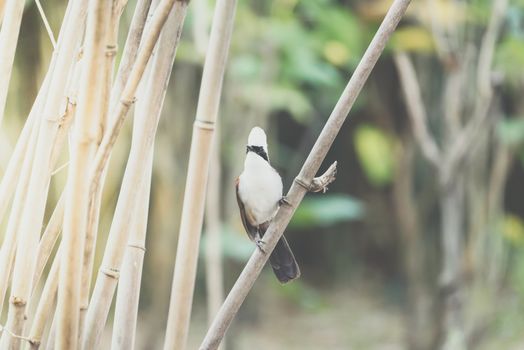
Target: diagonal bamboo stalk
{"points": [[89, 111], [7, 252], [45, 305], [302, 182], [12, 173], [195, 191], [143, 136], [33, 211], [150, 107], [8, 39]]}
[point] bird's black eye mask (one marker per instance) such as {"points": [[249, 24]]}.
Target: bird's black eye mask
{"points": [[258, 150]]}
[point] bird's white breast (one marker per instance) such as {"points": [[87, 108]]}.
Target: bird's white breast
{"points": [[260, 188]]}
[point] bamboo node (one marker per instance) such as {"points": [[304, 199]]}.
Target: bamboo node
{"points": [[16, 301], [111, 272], [137, 245], [111, 50], [302, 183], [204, 124], [128, 102]]}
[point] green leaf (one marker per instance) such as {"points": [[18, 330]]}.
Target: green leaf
{"points": [[375, 152], [326, 210]]}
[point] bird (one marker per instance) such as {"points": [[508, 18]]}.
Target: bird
{"points": [[259, 196]]}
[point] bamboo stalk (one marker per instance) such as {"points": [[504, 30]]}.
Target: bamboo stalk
{"points": [[302, 182], [143, 136], [124, 328], [195, 191], [7, 252], [12, 173], [89, 111], [8, 39], [33, 211], [95, 199], [45, 305], [155, 87], [49, 238]]}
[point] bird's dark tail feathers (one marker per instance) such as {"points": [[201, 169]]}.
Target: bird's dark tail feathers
{"points": [[283, 262]]}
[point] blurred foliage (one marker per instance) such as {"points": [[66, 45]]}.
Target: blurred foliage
{"points": [[325, 210], [375, 150], [513, 229], [302, 294]]}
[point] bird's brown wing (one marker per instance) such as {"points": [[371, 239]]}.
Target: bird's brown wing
{"points": [[245, 216]]}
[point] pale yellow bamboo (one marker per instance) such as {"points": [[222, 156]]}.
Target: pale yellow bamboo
{"points": [[45, 305], [33, 211], [195, 191], [89, 110], [127, 298], [12, 173], [49, 238], [8, 39], [150, 106], [7, 252], [95, 199], [143, 135]]}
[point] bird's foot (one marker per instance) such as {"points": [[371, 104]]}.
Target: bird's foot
{"points": [[260, 243], [283, 201]]}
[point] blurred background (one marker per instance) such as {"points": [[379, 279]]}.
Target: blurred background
{"points": [[420, 240]]}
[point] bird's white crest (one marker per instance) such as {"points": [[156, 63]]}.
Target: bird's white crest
{"points": [[257, 137]]}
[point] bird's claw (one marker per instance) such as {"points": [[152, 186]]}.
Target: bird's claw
{"points": [[259, 244], [283, 201]]}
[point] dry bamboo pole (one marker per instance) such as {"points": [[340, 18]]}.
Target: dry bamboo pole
{"points": [[303, 181], [124, 328], [198, 168], [8, 39], [12, 173], [33, 211], [149, 107], [49, 238], [142, 140], [87, 123], [7, 252], [214, 268], [45, 305], [95, 198]]}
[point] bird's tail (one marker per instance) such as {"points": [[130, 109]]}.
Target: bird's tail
{"points": [[283, 262]]}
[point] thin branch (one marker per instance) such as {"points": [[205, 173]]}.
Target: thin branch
{"points": [[46, 24], [416, 109], [312, 164]]}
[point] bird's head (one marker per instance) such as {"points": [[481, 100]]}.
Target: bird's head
{"points": [[257, 142]]}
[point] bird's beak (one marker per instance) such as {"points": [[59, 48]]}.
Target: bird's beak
{"points": [[249, 148]]}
